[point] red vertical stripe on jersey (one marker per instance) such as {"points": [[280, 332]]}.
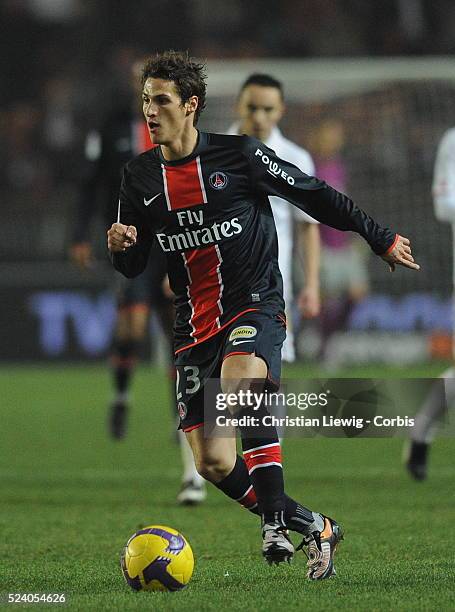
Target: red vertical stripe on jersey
{"points": [[204, 290], [184, 185]]}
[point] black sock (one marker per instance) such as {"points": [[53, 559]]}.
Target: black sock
{"points": [[301, 519], [263, 461], [237, 485], [123, 360], [262, 454]]}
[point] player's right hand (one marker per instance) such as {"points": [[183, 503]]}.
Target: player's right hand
{"points": [[400, 254], [81, 255], [121, 237]]}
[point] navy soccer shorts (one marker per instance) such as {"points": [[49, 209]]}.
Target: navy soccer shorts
{"points": [[255, 332]]}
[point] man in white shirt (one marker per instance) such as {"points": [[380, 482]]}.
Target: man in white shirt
{"points": [[441, 395], [260, 108]]}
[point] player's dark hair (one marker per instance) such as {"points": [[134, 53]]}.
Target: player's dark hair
{"points": [[264, 80], [188, 75]]}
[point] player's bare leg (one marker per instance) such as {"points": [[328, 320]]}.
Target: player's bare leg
{"points": [[214, 457]]}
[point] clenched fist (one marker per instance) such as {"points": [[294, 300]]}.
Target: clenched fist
{"points": [[121, 237]]}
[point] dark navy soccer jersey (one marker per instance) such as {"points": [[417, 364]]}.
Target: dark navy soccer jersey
{"points": [[211, 216]]}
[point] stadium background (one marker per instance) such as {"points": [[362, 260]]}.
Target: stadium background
{"points": [[386, 71], [61, 74]]}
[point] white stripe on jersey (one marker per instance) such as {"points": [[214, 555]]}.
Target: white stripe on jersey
{"points": [[190, 303], [166, 193], [201, 179], [220, 281]]}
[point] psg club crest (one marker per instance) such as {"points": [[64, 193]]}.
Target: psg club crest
{"points": [[182, 410], [218, 180]]}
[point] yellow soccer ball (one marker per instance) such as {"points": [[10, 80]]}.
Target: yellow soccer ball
{"points": [[157, 558]]}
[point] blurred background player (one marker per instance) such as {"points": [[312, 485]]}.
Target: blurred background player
{"points": [[260, 107], [344, 276], [441, 395], [123, 136]]}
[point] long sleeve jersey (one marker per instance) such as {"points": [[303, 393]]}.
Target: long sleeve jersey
{"points": [[211, 216]]}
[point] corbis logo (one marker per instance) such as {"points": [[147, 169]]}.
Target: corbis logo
{"points": [[218, 180]]}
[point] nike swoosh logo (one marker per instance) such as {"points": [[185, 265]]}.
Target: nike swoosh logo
{"points": [[235, 342], [258, 455], [147, 202]]}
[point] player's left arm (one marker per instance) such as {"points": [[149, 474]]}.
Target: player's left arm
{"points": [[274, 176], [309, 250]]}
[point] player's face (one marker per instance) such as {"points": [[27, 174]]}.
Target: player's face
{"points": [[166, 115], [260, 109]]}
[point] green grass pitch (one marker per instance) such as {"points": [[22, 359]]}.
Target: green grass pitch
{"points": [[70, 498]]}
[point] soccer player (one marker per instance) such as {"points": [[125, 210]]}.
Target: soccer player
{"points": [[441, 395], [212, 217], [123, 136], [260, 107]]}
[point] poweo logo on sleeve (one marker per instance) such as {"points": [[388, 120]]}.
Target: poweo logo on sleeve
{"points": [[273, 168], [245, 331]]}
